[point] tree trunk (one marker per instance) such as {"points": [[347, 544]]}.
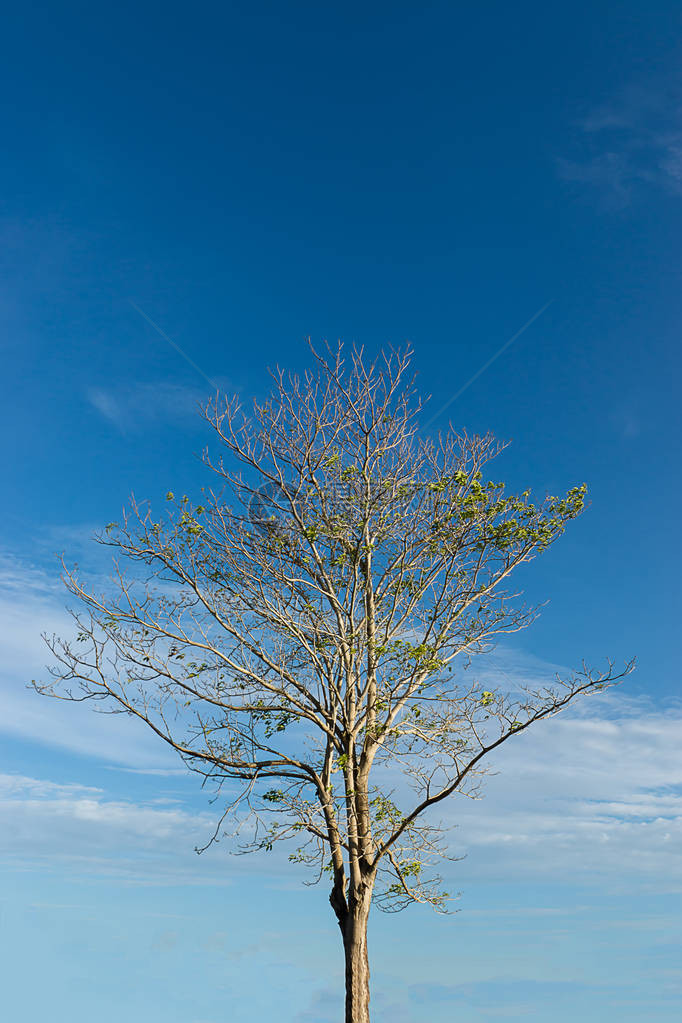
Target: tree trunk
{"points": [[354, 930]]}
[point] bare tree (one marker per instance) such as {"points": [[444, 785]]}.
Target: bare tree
{"points": [[294, 637]]}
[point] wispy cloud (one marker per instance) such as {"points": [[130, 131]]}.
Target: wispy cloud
{"points": [[596, 786], [133, 406], [89, 812], [628, 143], [13, 785], [594, 795], [86, 830], [499, 997], [19, 577], [32, 602], [42, 820]]}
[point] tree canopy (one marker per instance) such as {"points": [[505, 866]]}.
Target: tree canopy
{"points": [[300, 636]]}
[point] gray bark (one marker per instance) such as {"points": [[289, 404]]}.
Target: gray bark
{"points": [[353, 916]]}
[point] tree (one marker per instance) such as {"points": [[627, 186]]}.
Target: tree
{"points": [[293, 637]]}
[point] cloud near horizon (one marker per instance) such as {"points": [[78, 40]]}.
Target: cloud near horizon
{"points": [[594, 794]]}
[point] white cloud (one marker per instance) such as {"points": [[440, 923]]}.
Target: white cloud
{"points": [[595, 792], [591, 798], [88, 811], [44, 822], [32, 602], [13, 785], [629, 142], [81, 829], [132, 406]]}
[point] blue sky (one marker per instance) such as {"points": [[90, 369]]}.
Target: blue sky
{"points": [[249, 175]]}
